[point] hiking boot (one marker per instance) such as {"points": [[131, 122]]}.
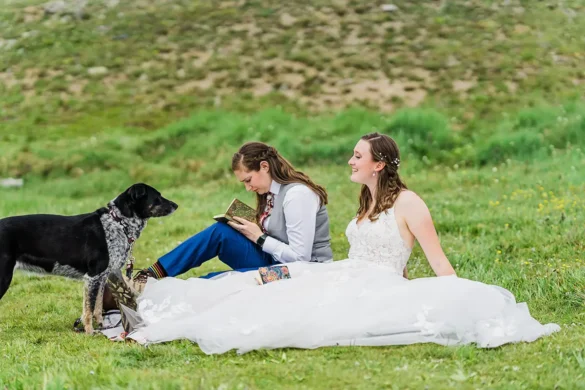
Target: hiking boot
{"points": [[121, 291], [124, 295]]}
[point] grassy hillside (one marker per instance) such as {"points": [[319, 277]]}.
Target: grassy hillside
{"points": [[146, 63], [200, 146]]}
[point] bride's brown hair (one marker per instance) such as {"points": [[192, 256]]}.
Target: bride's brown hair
{"points": [[251, 154], [383, 149]]}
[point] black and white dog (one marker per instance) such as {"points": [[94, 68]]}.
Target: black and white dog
{"points": [[84, 246]]}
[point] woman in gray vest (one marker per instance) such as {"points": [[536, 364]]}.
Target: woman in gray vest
{"points": [[293, 224]]}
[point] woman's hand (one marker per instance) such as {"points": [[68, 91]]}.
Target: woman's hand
{"points": [[249, 229]]}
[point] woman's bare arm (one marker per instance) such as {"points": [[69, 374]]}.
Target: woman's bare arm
{"points": [[419, 222]]}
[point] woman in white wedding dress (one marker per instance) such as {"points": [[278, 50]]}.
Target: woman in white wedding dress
{"points": [[363, 300]]}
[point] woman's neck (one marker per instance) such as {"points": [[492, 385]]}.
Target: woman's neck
{"points": [[372, 188]]}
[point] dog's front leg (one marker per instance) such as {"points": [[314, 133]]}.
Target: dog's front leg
{"points": [[92, 301], [86, 319]]}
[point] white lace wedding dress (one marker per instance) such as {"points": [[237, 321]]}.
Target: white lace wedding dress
{"points": [[363, 300]]}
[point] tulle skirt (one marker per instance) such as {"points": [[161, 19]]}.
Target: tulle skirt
{"points": [[345, 303]]}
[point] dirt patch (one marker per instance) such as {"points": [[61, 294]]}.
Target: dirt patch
{"points": [[28, 96], [170, 56], [32, 14], [8, 79], [198, 58], [278, 65], [512, 86], [521, 29], [232, 47], [203, 84], [251, 29], [52, 73], [422, 75], [31, 76], [378, 91], [292, 80], [76, 87], [463, 85], [332, 31], [111, 82], [261, 87], [148, 65], [287, 20], [353, 38]]}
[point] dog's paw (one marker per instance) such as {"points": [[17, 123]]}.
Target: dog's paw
{"points": [[78, 326]]}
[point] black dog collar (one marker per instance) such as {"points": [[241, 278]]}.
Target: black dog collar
{"points": [[116, 218]]}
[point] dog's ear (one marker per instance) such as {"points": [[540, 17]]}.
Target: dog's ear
{"points": [[137, 191]]}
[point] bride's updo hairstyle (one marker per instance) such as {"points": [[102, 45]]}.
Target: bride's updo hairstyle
{"points": [[383, 149], [251, 154]]}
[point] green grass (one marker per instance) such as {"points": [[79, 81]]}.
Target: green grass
{"points": [[515, 224], [197, 147], [496, 148]]}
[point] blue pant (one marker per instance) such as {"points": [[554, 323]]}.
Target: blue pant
{"points": [[220, 240]]}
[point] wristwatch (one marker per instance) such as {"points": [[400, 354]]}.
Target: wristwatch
{"points": [[260, 241]]}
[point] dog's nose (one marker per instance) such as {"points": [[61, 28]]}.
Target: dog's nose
{"points": [[174, 205]]}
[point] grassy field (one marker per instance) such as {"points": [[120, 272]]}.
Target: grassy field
{"points": [[515, 224], [483, 97]]}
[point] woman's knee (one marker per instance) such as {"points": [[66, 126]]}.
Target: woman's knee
{"points": [[220, 230]]}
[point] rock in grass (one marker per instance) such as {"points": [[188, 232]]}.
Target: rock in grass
{"points": [[55, 7], [97, 71], [389, 7], [11, 182], [75, 8], [287, 20]]}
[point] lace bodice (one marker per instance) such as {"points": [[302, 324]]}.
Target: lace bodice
{"points": [[378, 242]]}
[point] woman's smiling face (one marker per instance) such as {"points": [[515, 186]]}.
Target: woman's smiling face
{"points": [[362, 164]]}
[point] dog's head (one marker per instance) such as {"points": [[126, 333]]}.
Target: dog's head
{"points": [[143, 201]]}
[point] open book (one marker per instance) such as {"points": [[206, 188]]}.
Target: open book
{"points": [[239, 209]]}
